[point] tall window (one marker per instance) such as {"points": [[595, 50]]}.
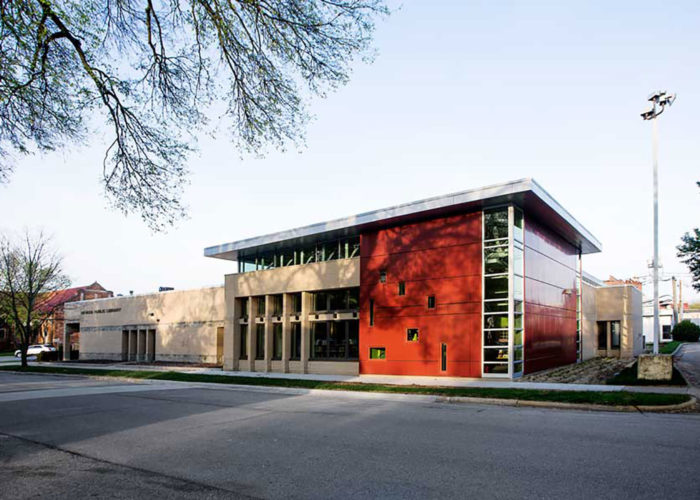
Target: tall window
{"points": [[614, 334], [296, 341], [503, 292], [277, 341], [296, 303], [335, 340], [259, 341], [261, 306], [277, 305], [244, 307], [608, 334], [371, 312], [346, 299], [402, 288], [579, 311], [244, 342], [602, 335]]}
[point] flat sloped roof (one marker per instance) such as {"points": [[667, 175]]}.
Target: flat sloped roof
{"points": [[526, 193]]}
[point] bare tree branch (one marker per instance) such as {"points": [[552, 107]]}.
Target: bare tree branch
{"points": [[154, 67], [30, 273]]}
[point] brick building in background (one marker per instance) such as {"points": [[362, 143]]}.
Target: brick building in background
{"points": [[613, 281], [51, 332]]}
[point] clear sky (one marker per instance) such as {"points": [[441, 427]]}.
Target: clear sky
{"points": [[462, 94]]}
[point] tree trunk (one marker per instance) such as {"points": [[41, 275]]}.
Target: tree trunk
{"points": [[24, 339]]}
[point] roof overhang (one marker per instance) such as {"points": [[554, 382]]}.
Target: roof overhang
{"points": [[525, 193]]}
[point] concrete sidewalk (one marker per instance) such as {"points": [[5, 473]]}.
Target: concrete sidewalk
{"points": [[687, 360], [381, 379]]}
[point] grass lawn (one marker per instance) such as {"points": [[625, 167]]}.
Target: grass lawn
{"points": [[628, 376], [602, 398], [669, 347], [666, 348], [7, 353]]}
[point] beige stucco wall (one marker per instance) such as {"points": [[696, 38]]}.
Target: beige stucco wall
{"points": [[185, 323]]}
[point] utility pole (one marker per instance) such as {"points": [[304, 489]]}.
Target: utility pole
{"points": [[659, 100], [680, 300]]}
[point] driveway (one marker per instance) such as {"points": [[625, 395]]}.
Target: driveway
{"points": [[73, 437]]}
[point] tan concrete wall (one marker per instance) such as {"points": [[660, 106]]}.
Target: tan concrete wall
{"points": [[334, 367], [343, 273], [621, 303], [185, 323], [589, 321]]}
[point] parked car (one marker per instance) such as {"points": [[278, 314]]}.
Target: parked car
{"points": [[33, 350]]}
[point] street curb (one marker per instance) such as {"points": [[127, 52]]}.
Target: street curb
{"points": [[571, 406], [680, 346], [681, 406]]}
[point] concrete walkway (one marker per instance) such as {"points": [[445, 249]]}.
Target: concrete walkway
{"points": [[688, 362], [385, 379]]}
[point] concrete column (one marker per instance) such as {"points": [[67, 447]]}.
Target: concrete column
{"points": [[306, 308], [66, 343], [232, 331], [286, 331], [253, 332], [268, 333]]}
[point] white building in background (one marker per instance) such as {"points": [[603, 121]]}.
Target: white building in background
{"points": [[666, 319]]}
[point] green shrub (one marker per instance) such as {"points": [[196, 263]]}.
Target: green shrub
{"points": [[686, 331]]}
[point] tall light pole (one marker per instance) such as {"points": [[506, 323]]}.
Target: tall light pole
{"points": [[659, 100]]}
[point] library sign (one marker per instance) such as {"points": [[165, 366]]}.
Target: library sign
{"points": [[102, 311]]}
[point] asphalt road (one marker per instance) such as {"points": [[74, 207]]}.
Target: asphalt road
{"points": [[71, 437]]}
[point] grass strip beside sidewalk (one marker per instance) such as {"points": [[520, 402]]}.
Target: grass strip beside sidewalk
{"points": [[580, 397]]}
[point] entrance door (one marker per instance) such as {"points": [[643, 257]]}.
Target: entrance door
{"points": [[443, 357], [151, 346], [125, 345], [220, 345]]}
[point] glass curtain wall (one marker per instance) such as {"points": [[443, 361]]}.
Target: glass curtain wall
{"points": [[503, 271], [579, 311], [318, 251]]}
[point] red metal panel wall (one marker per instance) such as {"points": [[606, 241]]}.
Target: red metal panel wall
{"points": [[550, 312], [440, 257]]}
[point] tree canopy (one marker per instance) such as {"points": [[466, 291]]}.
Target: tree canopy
{"points": [[689, 252], [153, 68]]}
